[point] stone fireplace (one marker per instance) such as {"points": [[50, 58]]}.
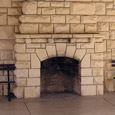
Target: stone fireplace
{"points": [[52, 35]]}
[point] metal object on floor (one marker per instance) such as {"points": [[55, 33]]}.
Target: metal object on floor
{"points": [[7, 67], [113, 65]]}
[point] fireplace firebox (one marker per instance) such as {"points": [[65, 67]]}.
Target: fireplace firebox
{"points": [[59, 75]]}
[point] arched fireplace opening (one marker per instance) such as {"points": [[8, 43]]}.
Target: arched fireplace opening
{"points": [[60, 75]]}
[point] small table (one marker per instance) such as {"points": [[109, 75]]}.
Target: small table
{"points": [[7, 67]]}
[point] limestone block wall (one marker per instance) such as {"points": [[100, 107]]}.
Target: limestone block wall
{"points": [[59, 19], [30, 50], [10, 10], [75, 17]]}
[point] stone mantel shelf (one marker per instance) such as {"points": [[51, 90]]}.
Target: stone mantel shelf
{"points": [[56, 36]]}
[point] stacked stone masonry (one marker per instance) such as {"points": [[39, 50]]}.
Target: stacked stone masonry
{"points": [[80, 29], [30, 54]]}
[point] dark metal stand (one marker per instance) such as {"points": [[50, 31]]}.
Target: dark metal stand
{"points": [[7, 67]]}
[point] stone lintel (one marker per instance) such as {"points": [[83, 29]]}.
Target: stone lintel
{"points": [[82, 35], [67, 38]]}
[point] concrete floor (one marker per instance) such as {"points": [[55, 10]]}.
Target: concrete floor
{"points": [[69, 105]]}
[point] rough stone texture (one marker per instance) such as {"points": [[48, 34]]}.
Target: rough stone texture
{"points": [[112, 34], [57, 19], [21, 82], [100, 8], [18, 92], [32, 92], [5, 3], [51, 50], [110, 44], [87, 8], [41, 53], [100, 47], [34, 19], [100, 89], [97, 56], [20, 48], [61, 28], [4, 43], [98, 80], [48, 10], [98, 71], [77, 28], [79, 54], [62, 11], [28, 28], [29, 8], [83, 8], [14, 11], [86, 72], [91, 28], [3, 19], [109, 85], [6, 32], [46, 28], [22, 56], [109, 75], [112, 26], [13, 20], [86, 80], [33, 82], [33, 46], [6, 55], [35, 62], [60, 48], [96, 63], [103, 26], [3, 10], [88, 90], [21, 73], [72, 19], [22, 64], [86, 61], [43, 4], [107, 56], [34, 72], [57, 4], [87, 45], [70, 51]]}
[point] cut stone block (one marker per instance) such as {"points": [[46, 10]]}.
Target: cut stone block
{"points": [[33, 82], [35, 62], [29, 8], [88, 90], [79, 54], [61, 48], [86, 72], [51, 50], [18, 92], [41, 53], [86, 61], [21, 72], [32, 92], [70, 51], [34, 72], [28, 28]]}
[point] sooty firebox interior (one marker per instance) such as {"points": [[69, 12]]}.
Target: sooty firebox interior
{"points": [[59, 75]]}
